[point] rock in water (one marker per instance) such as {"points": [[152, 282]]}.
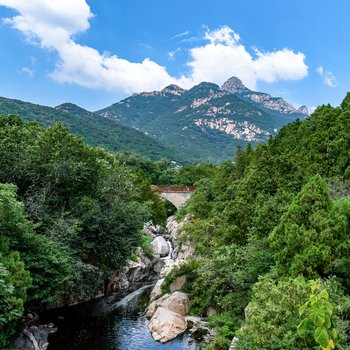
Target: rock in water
{"points": [[166, 325], [160, 246], [177, 302]]}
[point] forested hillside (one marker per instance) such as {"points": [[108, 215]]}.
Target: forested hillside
{"points": [[206, 122], [95, 130], [270, 230], [68, 212], [266, 225]]}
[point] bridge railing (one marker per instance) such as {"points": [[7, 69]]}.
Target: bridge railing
{"points": [[173, 188]]}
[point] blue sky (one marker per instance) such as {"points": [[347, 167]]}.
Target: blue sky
{"points": [[94, 53]]}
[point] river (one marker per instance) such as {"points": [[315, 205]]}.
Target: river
{"points": [[110, 325]]}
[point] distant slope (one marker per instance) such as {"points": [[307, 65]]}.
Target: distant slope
{"points": [[94, 129], [207, 121]]}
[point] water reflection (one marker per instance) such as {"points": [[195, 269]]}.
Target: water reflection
{"points": [[117, 326]]}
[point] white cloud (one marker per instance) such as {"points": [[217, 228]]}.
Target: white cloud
{"points": [[171, 54], [224, 56], [328, 77], [180, 35], [27, 71], [54, 25], [320, 70]]}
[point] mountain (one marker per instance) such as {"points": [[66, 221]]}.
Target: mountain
{"points": [[207, 121], [94, 129]]}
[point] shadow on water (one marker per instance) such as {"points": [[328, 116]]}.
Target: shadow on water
{"points": [[103, 325]]}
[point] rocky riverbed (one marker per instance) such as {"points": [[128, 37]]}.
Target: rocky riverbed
{"points": [[143, 307], [168, 314]]}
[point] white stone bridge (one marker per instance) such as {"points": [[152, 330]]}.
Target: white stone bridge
{"points": [[177, 195]]}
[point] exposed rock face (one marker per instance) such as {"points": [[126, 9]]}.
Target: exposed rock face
{"points": [[211, 310], [206, 120], [169, 265], [177, 302], [166, 325], [199, 329], [157, 290], [151, 309], [303, 110], [167, 313], [134, 271], [234, 85], [174, 90], [160, 246], [240, 130], [158, 264], [178, 283]]}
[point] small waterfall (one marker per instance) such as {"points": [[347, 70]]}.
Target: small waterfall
{"points": [[170, 251], [127, 299]]}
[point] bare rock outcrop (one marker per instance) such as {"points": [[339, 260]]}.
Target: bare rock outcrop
{"points": [[166, 325], [160, 246]]}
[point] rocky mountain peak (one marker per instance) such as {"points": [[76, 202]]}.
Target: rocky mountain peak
{"points": [[173, 89], [233, 85], [303, 110]]}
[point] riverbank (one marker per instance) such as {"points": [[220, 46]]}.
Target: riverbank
{"points": [[105, 324], [118, 320]]}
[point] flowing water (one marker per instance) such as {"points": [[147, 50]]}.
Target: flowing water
{"points": [[105, 325]]}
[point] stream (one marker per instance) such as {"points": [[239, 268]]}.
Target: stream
{"points": [[110, 325]]}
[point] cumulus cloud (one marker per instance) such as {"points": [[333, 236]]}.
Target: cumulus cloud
{"points": [[54, 25], [224, 56], [327, 77]]}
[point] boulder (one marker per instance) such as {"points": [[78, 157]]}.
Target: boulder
{"points": [[35, 337], [169, 264], [166, 325], [154, 305], [132, 273], [178, 283], [160, 246], [138, 270], [157, 290], [177, 302], [158, 264], [199, 329]]}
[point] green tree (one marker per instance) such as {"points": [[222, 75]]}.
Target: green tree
{"points": [[273, 316], [313, 234]]}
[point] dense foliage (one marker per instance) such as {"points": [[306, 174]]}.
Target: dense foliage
{"points": [[94, 129], [67, 213], [265, 224]]}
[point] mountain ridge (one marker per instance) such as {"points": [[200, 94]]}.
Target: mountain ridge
{"points": [[207, 121], [96, 131]]}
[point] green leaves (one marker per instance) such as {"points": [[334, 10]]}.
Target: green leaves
{"points": [[80, 207], [318, 311], [321, 336]]}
